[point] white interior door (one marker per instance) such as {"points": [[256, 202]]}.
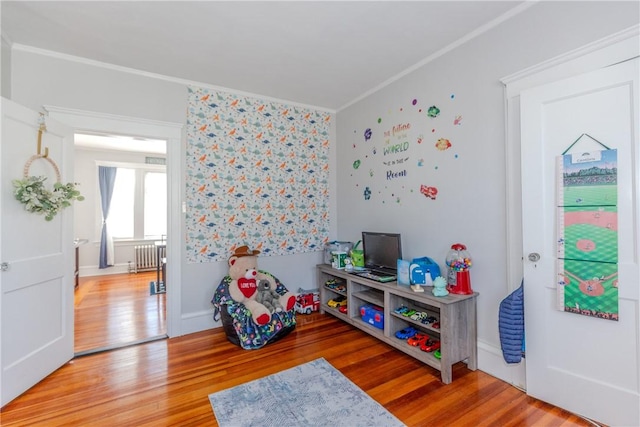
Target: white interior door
{"points": [[587, 365], [36, 287]]}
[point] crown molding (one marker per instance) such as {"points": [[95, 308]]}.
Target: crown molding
{"points": [[105, 65]]}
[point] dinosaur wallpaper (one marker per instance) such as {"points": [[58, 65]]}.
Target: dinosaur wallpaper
{"points": [[257, 174]]}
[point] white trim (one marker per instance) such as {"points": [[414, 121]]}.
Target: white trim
{"points": [[198, 321], [493, 363], [173, 134], [130, 165], [573, 62], [105, 65], [470, 36]]}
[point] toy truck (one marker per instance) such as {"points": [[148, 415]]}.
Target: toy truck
{"points": [[307, 302]]}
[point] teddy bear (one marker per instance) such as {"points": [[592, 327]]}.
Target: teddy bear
{"points": [[268, 297], [243, 288]]}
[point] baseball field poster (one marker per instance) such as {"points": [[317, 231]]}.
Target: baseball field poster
{"points": [[587, 233]]}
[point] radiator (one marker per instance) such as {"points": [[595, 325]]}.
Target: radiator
{"points": [[146, 257]]}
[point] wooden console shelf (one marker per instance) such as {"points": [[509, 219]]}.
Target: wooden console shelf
{"points": [[456, 314]]}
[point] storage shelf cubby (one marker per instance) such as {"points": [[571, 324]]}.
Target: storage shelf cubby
{"points": [[455, 313]]}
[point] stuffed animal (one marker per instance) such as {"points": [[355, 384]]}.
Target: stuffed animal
{"points": [[243, 288], [268, 297], [440, 287]]}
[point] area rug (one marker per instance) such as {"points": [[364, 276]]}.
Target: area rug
{"points": [[312, 394], [157, 288]]}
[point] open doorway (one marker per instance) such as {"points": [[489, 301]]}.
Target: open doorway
{"points": [[120, 301], [88, 122]]}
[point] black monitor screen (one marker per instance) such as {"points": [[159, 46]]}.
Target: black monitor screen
{"points": [[381, 250]]}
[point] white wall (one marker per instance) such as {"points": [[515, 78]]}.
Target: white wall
{"points": [[470, 206], [40, 78]]}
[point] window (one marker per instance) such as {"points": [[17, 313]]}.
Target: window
{"points": [[139, 203]]}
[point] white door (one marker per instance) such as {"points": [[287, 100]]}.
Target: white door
{"points": [[584, 364], [36, 284]]}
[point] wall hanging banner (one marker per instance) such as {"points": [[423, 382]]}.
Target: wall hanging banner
{"points": [[587, 226], [257, 174]]}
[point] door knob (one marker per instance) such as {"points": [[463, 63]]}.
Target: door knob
{"points": [[534, 257], [4, 266]]}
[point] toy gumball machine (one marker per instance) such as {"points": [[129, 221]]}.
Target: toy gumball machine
{"points": [[458, 264]]}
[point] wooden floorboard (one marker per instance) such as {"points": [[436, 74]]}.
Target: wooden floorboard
{"points": [[168, 382], [117, 309]]}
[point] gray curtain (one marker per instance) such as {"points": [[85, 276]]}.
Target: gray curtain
{"points": [[107, 179]]}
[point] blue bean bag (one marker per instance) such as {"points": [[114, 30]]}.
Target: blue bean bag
{"points": [[239, 325]]}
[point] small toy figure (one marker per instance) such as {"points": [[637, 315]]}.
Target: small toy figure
{"points": [[440, 287]]}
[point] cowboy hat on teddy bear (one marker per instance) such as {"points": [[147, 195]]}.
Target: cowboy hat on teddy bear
{"points": [[243, 288]]}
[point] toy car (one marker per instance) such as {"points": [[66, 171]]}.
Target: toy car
{"points": [[429, 319], [437, 354], [337, 301], [343, 309], [417, 339], [430, 345], [401, 309], [331, 283], [418, 315], [409, 313], [406, 333], [335, 285], [436, 325]]}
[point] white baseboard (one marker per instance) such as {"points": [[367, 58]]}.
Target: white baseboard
{"points": [[94, 270], [198, 321], [491, 361]]}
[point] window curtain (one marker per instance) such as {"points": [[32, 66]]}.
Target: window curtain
{"points": [[107, 179]]}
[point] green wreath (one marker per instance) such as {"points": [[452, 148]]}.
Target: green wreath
{"points": [[36, 198]]}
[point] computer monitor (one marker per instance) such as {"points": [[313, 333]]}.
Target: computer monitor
{"points": [[381, 251]]}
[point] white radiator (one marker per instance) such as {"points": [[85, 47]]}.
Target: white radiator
{"points": [[146, 257]]}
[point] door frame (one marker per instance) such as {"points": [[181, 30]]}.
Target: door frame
{"points": [[88, 121], [616, 48]]}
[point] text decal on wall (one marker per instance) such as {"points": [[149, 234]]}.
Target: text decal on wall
{"points": [[257, 174]]}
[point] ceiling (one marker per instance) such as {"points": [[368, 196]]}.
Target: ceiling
{"points": [[324, 54]]}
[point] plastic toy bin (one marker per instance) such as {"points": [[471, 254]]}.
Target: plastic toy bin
{"points": [[373, 315]]}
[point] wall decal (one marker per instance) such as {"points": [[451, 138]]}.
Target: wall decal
{"points": [[257, 174], [398, 155], [367, 193], [443, 144], [356, 164], [433, 111], [429, 192]]}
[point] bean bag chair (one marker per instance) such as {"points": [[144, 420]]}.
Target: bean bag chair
{"points": [[240, 327]]}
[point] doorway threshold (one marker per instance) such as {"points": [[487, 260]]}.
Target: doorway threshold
{"points": [[119, 346]]}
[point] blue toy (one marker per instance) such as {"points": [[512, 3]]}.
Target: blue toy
{"points": [[428, 265], [440, 287]]}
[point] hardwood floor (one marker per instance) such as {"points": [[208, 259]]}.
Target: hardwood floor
{"points": [[167, 382], [115, 310]]}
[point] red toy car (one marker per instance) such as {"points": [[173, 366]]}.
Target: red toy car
{"points": [[430, 345], [417, 339], [343, 309]]}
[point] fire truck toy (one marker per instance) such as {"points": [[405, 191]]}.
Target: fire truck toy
{"points": [[307, 302]]}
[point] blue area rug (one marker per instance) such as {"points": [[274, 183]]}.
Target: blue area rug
{"points": [[157, 288], [312, 394]]}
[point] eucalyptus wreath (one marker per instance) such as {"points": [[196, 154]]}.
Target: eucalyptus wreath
{"points": [[36, 198]]}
